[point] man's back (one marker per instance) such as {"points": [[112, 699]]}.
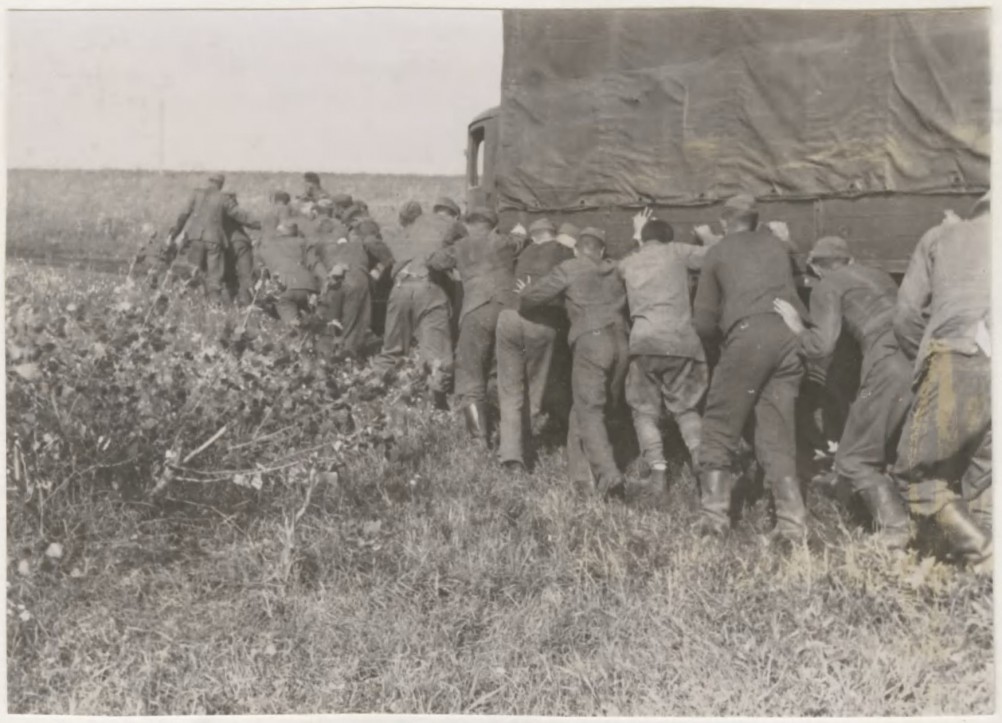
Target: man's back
{"points": [[741, 277], [208, 209], [423, 237], [657, 285], [594, 293], [868, 295], [486, 265]]}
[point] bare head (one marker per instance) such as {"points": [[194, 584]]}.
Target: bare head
{"points": [[312, 180], [217, 180], [591, 244], [280, 198], [657, 231]]}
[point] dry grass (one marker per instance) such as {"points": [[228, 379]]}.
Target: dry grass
{"points": [[430, 582]]}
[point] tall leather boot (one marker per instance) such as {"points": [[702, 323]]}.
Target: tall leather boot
{"points": [[968, 540], [715, 502], [476, 421], [791, 513], [889, 514]]}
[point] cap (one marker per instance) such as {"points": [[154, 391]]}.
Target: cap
{"points": [[367, 227], [741, 200], [410, 212], [482, 213], [217, 178], [830, 247], [542, 224], [351, 213], [593, 232], [448, 204], [342, 200], [311, 177]]}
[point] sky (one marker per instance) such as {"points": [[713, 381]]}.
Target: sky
{"points": [[337, 91]]}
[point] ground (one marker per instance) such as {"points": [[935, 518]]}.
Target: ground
{"points": [[200, 522]]}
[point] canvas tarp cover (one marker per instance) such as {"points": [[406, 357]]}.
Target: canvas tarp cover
{"points": [[620, 107]]}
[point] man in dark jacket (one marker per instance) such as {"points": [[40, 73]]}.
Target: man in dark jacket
{"points": [[861, 299], [485, 261], [595, 298], [418, 306], [202, 222], [525, 345], [365, 257], [759, 370], [943, 320], [284, 253]]}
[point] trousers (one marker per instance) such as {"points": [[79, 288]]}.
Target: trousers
{"points": [[675, 383], [598, 372], [525, 352], [474, 352], [351, 304], [240, 256], [759, 372], [947, 429], [209, 256], [874, 422], [418, 309]]}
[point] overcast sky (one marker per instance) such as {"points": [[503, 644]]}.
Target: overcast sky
{"points": [[382, 91]]}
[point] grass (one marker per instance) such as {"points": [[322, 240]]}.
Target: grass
{"points": [[428, 581]]}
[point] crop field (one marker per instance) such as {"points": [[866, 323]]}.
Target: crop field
{"points": [[202, 518]]}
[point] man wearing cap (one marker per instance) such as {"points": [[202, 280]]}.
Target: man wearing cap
{"points": [[284, 253], [861, 299], [525, 345], [313, 191], [595, 298], [943, 321], [759, 370], [202, 222], [485, 261], [418, 307], [365, 257], [667, 362]]}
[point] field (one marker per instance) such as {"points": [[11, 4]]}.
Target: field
{"points": [[202, 519]]}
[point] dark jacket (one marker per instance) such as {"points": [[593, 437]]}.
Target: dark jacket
{"points": [[742, 275], [423, 238], [593, 293], [859, 299], [203, 216], [486, 266]]}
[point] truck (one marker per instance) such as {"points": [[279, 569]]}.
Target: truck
{"points": [[868, 125]]}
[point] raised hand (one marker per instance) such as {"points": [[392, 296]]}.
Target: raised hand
{"points": [[640, 220]]}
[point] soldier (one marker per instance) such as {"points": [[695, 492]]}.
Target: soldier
{"points": [[759, 370], [485, 261], [667, 362], [313, 191], [342, 202], [419, 306], [595, 298], [365, 257], [525, 344], [861, 299], [943, 321], [202, 221], [239, 258], [284, 253]]}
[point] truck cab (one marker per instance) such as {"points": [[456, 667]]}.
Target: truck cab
{"points": [[481, 151]]}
